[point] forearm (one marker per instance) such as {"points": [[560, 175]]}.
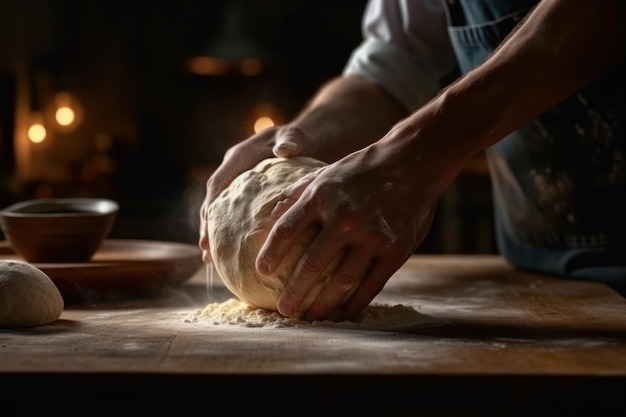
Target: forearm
{"points": [[560, 47], [347, 114]]}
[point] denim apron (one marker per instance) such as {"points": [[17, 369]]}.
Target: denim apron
{"points": [[559, 182]]}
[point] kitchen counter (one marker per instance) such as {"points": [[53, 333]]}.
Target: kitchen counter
{"points": [[500, 341]]}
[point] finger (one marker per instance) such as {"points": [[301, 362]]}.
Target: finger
{"points": [[217, 185], [291, 195], [238, 159], [308, 273], [290, 224], [341, 285], [286, 148], [203, 241], [285, 232], [281, 207], [370, 286], [288, 143]]}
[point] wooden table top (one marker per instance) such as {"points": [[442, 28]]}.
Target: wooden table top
{"points": [[496, 327]]}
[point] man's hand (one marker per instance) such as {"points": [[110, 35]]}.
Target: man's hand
{"points": [[369, 210]]}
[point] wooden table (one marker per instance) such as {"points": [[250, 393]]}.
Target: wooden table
{"points": [[507, 343]]}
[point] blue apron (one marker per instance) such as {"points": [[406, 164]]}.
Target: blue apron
{"points": [[559, 182]]}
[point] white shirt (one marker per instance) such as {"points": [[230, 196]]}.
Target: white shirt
{"points": [[405, 49]]}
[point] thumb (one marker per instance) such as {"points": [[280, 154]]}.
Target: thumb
{"points": [[288, 143]]}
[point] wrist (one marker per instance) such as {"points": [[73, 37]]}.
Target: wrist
{"points": [[436, 144]]}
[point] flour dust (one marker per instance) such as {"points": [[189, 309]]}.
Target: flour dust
{"points": [[234, 312]]}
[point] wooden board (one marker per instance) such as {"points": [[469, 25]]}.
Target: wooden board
{"points": [[120, 268], [495, 322]]}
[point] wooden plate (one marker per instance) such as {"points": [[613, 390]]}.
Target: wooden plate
{"points": [[120, 268]]}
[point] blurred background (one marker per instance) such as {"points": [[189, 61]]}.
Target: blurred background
{"points": [[138, 101]]}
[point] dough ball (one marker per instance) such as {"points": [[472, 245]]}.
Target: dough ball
{"points": [[28, 297], [239, 221]]}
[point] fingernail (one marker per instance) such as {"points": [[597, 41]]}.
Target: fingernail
{"points": [[285, 148], [263, 268], [206, 257], [285, 310]]}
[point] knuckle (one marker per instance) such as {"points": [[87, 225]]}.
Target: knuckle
{"points": [[344, 282], [375, 242], [281, 231], [270, 258], [291, 294], [281, 207], [311, 266], [347, 223]]}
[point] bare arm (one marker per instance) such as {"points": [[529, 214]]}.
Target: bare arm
{"points": [[389, 189], [347, 114], [561, 46]]}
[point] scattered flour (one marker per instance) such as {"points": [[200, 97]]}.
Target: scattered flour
{"points": [[234, 312]]}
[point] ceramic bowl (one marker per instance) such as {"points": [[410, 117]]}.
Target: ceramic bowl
{"points": [[58, 229]]}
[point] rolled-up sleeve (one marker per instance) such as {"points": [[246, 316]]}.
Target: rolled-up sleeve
{"points": [[405, 49]]}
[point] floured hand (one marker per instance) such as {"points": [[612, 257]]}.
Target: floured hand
{"points": [[370, 209]]}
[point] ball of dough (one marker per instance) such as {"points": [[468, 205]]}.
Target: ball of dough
{"points": [[28, 297], [238, 223]]}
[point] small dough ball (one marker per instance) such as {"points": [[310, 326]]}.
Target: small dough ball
{"points": [[238, 222], [28, 297]]}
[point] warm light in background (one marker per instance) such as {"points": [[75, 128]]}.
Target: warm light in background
{"points": [[65, 116], [251, 67], [262, 123], [265, 114], [37, 133], [204, 65], [67, 112]]}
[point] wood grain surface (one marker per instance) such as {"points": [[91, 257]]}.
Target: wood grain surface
{"points": [[505, 339]]}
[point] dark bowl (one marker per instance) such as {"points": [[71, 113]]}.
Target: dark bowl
{"points": [[58, 229]]}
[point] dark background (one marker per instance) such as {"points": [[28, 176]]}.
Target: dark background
{"points": [[152, 130]]}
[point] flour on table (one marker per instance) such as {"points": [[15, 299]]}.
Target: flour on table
{"points": [[234, 312]]}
